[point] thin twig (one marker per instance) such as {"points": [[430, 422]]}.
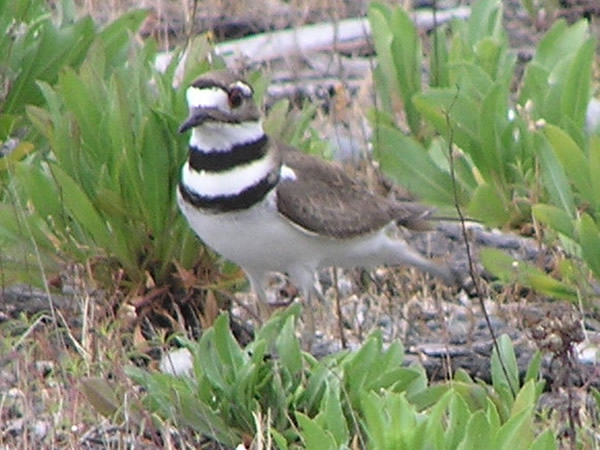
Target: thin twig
{"points": [[474, 277]]}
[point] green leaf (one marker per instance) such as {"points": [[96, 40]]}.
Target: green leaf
{"points": [[55, 49], [230, 354], [476, 432], [589, 239], [279, 439], [438, 64], [526, 398], [275, 121], [436, 105], [533, 368], [517, 432], [508, 269], [573, 160], [553, 174], [484, 20], [559, 41], [333, 414], [406, 51], [576, 91], [117, 35], [545, 441], [385, 74], [556, 218], [408, 164], [594, 168], [486, 205], [81, 208], [288, 347], [313, 435], [458, 416], [505, 382]]}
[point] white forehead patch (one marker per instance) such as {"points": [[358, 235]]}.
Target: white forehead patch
{"points": [[213, 97]]}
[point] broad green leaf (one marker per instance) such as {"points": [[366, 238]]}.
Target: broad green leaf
{"points": [[545, 441], [526, 398], [458, 415], [533, 368], [438, 59], [406, 51], [493, 115], [517, 432], [476, 432], [452, 112], [555, 180], [288, 347], [572, 159], [547, 285], [508, 269], [473, 394], [594, 168], [589, 239], [207, 357], [485, 19], [117, 34], [279, 439], [409, 165], [375, 419], [314, 436], [576, 90], [82, 209], [555, 218], [440, 426], [486, 205], [559, 41], [333, 414], [202, 418], [53, 50], [378, 14], [231, 355], [493, 416], [505, 371], [471, 79]]}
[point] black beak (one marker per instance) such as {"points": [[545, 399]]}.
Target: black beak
{"points": [[196, 117]]}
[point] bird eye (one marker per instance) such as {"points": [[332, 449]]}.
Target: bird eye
{"points": [[236, 97]]}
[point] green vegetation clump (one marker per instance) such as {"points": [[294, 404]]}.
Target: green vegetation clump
{"points": [[506, 156]]}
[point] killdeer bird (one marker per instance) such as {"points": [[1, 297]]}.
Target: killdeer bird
{"points": [[271, 208]]}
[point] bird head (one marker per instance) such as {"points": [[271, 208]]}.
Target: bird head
{"points": [[219, 98]]}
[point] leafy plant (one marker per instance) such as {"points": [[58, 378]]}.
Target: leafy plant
{"points": [[468, 102], [34, 47], [364, 396], [511, 158], [107, 187]]}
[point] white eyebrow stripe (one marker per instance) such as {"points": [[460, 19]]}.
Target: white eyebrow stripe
{"points": [[247, 90]]}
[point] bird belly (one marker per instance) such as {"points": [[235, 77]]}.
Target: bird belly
{"points": [[261, 240], [258, 239]]}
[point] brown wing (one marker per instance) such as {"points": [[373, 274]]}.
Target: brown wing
{"points": [[325, 200]]}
